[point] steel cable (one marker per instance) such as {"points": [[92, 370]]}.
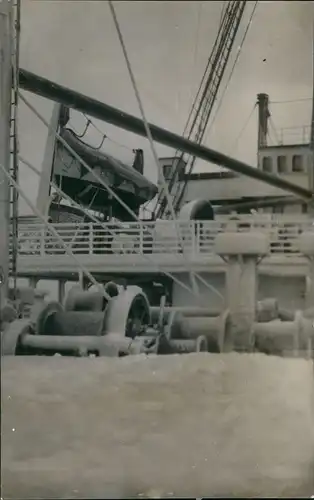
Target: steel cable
{"points": [[51, 229]]}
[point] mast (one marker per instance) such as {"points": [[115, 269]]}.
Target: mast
{"points": [[311, 173], [6, 36], [263, 115]]}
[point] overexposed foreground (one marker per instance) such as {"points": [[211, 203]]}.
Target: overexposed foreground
{"points": [[184, 425]]}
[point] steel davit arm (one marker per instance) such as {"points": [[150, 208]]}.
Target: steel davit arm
{"points": [[92, 107]]}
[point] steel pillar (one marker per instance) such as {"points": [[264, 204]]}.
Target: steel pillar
{"points": [[43, 197], [263, 115], [6, 37], [61, 291]]}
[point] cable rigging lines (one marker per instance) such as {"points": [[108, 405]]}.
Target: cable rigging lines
{"points": [[196, 46], [104, 134], [233, 67], [51, 229], [152, 146], [203, 103], [235, 18], [292, 134], [292, 101], [148, 133], [247, 121], [111, 192]]}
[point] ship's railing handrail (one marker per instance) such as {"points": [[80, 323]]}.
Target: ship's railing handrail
{"points": [[286, 136], [150, 238]]}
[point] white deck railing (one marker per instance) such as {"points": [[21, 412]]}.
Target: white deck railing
{"points": [[155, 238]]}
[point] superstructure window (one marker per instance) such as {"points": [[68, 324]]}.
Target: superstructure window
{"points": [[267, 164], [278, 209], [282, 164], [167, 172], [297, 163]]}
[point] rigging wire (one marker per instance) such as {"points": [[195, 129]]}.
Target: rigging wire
{"points": [[66, 197], [52, 230], [88, 122], [290, 101], [272, 132], [100, 181], [150, 138], [217, 62], [105, 135], [223, 8], [232, 69], [196, 47], [78, 158], [85, 215], [192, 274], [247, 121], [140, 104], [273, 129], [189, 126]]}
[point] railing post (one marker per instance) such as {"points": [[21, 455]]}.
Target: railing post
{"points": [[182, 238], [195, 237], [81, 278], [91, 237], [141, 239], [42, 235]]}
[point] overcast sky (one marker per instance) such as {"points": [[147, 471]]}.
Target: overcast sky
{"points": [[75, 44]]}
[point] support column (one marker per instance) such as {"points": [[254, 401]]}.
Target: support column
{"points": [[6, 35], [83, 281], [43, 197], [306, 245], [61, 291], [263, 115], [241, 251]]}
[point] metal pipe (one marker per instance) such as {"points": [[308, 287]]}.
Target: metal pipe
{"points": [[254, 204], [109, 345], [60, 343], [186, 311], [75, 100]]}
